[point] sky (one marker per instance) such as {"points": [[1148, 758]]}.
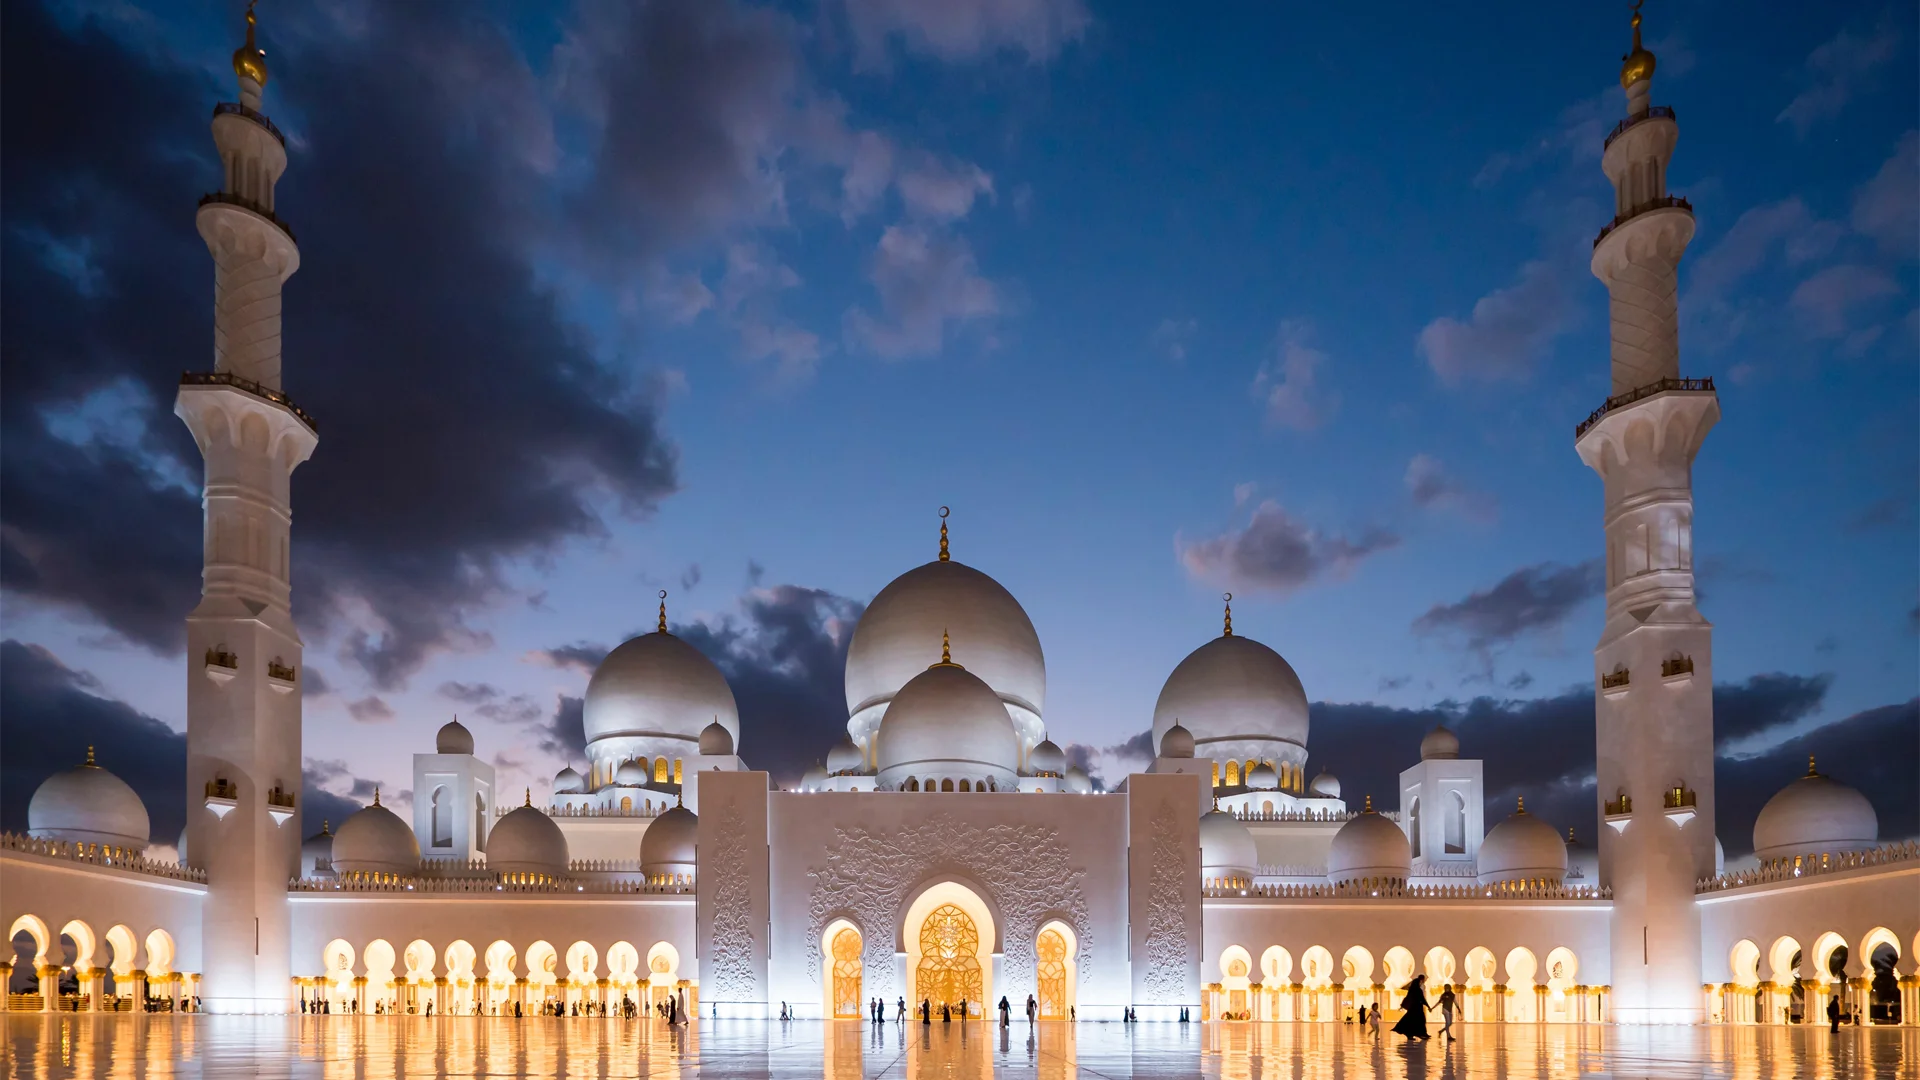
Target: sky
{"points": [[728, 299]]}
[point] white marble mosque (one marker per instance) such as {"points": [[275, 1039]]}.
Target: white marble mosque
{"points": [[944, 850]]}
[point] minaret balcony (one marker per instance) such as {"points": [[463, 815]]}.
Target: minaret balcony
{"points": [[222, 796], [280, 806], [1656, 112], [227, 198], [221, 665], [1665, 202], [265, 393], [1615, 683], [1676, 670], [1618, 812], [1639, 393], [1679, 804], [283, 677], [234, 108]]}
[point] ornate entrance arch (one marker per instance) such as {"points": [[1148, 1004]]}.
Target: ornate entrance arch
{"points": [[847, 999], [949, 970]]}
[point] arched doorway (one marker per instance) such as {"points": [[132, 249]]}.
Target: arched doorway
{"points": [[845, 946], [949, 971], [1053, 955]]}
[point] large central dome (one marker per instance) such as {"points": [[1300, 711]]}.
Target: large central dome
{"points": [[899, 636], [657, 688], [946, 724], [1241, 700]]}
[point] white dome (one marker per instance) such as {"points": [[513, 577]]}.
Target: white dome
{"points": [[88, 805], [1326, 785], [845, 757], [375, 841], [1439, 743], [527, 841], [454, 738], [1177, 742], [656, 688], [1078, 781], [899, 632], [1522, 848], [1263, 777], [1226, 847], [316, 854], [668, 844], [630, 774], [1367, 847], [1583, 861], [181, 848], [1814, 815], [947, 723], [1240, 700], [814, 779], [716, 740], [1047, 758], [569, 782]]}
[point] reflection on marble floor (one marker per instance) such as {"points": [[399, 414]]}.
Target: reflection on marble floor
{"points": [[165, 1046]]}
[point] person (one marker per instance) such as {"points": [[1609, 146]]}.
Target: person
{"points": [[926, 1012], [901, 1007], [963, 1009], [516, 1008], [1032, 1008], [1072, 1014], [1006, 1011], [1413, 1022], [783, 1010], [946, 1013], [1373, 1020], [1833, 1014], [1447, 1003]]}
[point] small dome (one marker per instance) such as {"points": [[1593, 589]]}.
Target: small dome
{"points": [[845, 757], [181, 848], [1047, 759], [1078, 781], [88, 805], [946, 722], [1263, 777], [1177, 742], [1326, 785], [1522, 848], [716, 740], [1583, 861], [1239, 699], [569, 782], [527, 841], [1226, 847], [668, 845], [1369, 846], [316, 854], [1440, 743], [375, 841], [630, 774], [454, 738], [657, 688], [814, 779], [1814, 815]]}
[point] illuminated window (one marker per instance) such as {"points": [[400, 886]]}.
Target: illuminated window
{"points": [[949, 971], [660, 770], [1051, 950], [847, 999], [1233, 774]]}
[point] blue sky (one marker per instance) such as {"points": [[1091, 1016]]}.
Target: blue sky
{"points": [[1282, 299]]}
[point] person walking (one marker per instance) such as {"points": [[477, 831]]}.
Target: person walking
{"points": [[1373, 1021], [1031, 1009], [926, 1012], [1447, 1004], [1006, 1011], [1833, 1014], [900, 1013], [946, 1013], [1413, 1021]]}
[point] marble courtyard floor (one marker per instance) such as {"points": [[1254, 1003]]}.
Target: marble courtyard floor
{"points": [[376, 1047]]}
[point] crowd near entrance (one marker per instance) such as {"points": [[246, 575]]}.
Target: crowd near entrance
{"points": [[464, 981]]}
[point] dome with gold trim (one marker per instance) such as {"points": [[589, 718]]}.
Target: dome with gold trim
{"points": [[1637, 65], [249, 60]]}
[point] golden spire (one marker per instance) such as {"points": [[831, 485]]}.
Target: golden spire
{"points": [[1522, 801], [663, 611], [249, 60], [1811, 771], [89, 762], [944, 557], [946, 652], [1570, 834], [376, 795], [326, 827], [1638, 64], [529, 801], [1227, 598], [1369, 808]]}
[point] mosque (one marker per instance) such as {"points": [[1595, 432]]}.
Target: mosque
{"points": [[944, 850]]}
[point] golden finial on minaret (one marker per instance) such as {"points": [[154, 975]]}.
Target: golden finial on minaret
{"points": [[249, 60], [1570, 834], [376, 795], [1227, 598], [89, 762], [946, 648], [1811, 771], [1521, 800], [1639, 63], [326, 827], [663, 611], [529, 801], [944, 557]]}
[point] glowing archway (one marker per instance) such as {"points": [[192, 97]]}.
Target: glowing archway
{"points": [[1054, 951], [84, 943], [419, 959], [1276, 965], [125, 955], [159, 953], [844, 949], [1316, 966], [1743, 961], [623, 964], [1356, 968], [36, 928], [583, 960], [1399, 967], [1824, 947], [1482, 968], [1522, 965], [1783, 959], [949, 937]]}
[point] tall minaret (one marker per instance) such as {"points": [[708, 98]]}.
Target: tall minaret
{"points": [[1653, 668], [243, 651]]}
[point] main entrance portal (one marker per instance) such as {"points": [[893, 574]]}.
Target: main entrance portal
{"points": [[949, 972]]}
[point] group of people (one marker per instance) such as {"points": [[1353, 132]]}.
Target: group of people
{"points": [[1413, 1018], [669, 1008]]}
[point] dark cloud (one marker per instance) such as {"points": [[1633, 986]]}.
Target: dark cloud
{"points": [[1278, 553], [581, 656], [371, 710], [1108, 765], [493, 703], [1529, 600], [444, 370], [690, 576], [1764, 704], [1432, 487], [1394, 682], [564, 734]]}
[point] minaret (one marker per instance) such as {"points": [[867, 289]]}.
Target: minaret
{"points": [[1653, 668], [243, 650]]}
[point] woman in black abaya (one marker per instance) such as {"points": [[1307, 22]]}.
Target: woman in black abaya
{"points": [[1413, 1023]]}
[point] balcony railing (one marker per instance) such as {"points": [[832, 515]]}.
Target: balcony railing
{"points": [[223, 659], [1679, 665], [228, 198], [222, 788], [1677, 797], [1657, 112], [227, 378], [277, 797], [237, 109], [1618, 401], [1670, 201], [278, 670], [1615, 680], [1621, 805]]}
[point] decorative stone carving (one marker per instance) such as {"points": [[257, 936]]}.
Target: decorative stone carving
{"points": [[1167, 958], [730, 950], [1027, 869]]}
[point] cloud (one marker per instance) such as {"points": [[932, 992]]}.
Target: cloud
{"points": [[1431, 487], [1508, 332], [519, 461], [1530, 600], [1173, 337], [958, 31], [1108, 765], [1829, 300], [371, 710], [1287, 381], [491, 702], [1837, 71], [1873, 750], [581, 656], [1887, 207], [564, 734], [1575, 139], [943, 190], [929, 285], [1276, 552]]}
